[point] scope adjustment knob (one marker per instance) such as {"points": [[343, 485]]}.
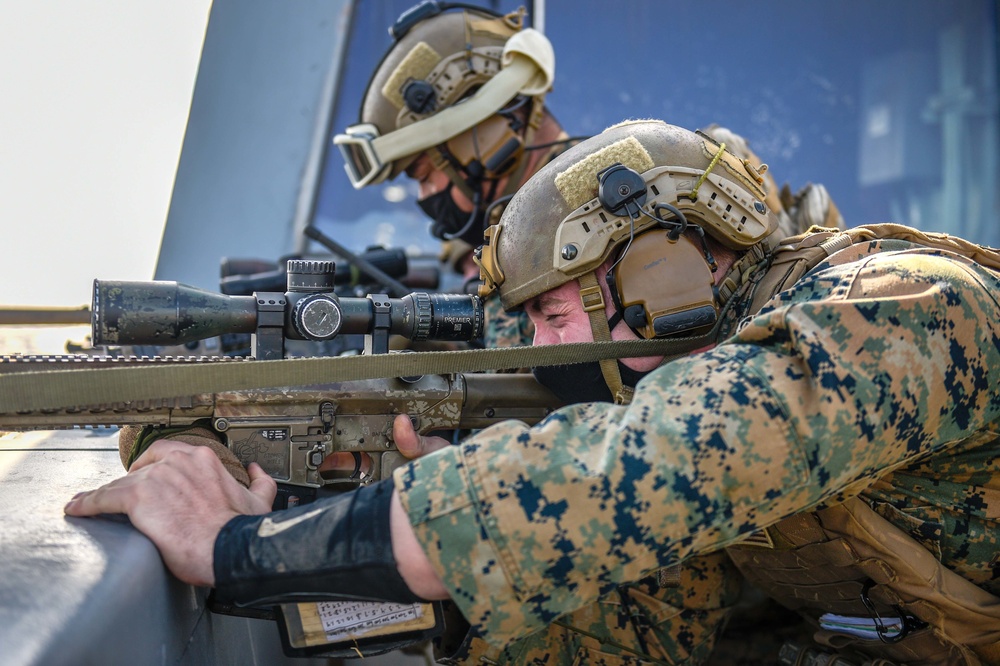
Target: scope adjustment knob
{"points": [[317, 317], [310, 275], [423, 315]]}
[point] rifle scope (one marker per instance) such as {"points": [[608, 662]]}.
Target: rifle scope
{"points": [[169, 313]]}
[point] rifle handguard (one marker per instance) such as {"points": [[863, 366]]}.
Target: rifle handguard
{"points": [[332, 549]]}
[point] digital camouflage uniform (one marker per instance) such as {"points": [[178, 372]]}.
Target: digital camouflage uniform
{"points": [[503, 329], [870, 377]]}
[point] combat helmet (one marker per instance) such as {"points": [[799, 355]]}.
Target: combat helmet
{"points": [[451, 81], [630, 194]]}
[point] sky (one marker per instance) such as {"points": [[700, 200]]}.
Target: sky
{"points": [[94, 103]]}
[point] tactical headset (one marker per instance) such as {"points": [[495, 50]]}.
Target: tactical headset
{"points": [[661, 283]]}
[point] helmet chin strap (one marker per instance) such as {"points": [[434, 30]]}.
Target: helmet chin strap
{"points": [[440, 162], [593, 305]]}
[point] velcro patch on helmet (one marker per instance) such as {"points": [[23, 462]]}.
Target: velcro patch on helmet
{"points": [[578, 184], [418, 63]]}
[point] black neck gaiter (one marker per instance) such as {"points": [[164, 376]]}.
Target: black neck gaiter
{"points": [[583, 382], [449, 219]]}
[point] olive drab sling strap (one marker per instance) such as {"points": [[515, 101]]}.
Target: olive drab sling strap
{"points": [[60, 385]]}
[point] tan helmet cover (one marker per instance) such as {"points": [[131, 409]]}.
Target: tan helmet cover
{"points": [[555, 229], [457, 53]]}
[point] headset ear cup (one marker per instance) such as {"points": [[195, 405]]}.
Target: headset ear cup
{"points": [[664, 287], [634, 315], [501, 160], [492, 143]]}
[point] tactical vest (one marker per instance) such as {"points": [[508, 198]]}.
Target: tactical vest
{"points": [[847, 559]]}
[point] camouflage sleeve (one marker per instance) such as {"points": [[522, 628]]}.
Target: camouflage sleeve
{"points": [[858, 369], [503, 329], [134, 440]]}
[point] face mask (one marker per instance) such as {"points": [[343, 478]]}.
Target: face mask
{"points": [[450, 219], [583, 382]]}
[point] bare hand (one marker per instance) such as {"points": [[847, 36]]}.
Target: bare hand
{"points": [[411, 444], [180, 496]]}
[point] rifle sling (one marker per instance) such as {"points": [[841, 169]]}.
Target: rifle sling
{"points": [[69, 388]]}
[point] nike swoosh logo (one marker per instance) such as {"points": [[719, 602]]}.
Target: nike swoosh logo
{"points": [[269, 528]]}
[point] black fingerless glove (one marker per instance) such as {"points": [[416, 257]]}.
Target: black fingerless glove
{"points": [[337, 548]]}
